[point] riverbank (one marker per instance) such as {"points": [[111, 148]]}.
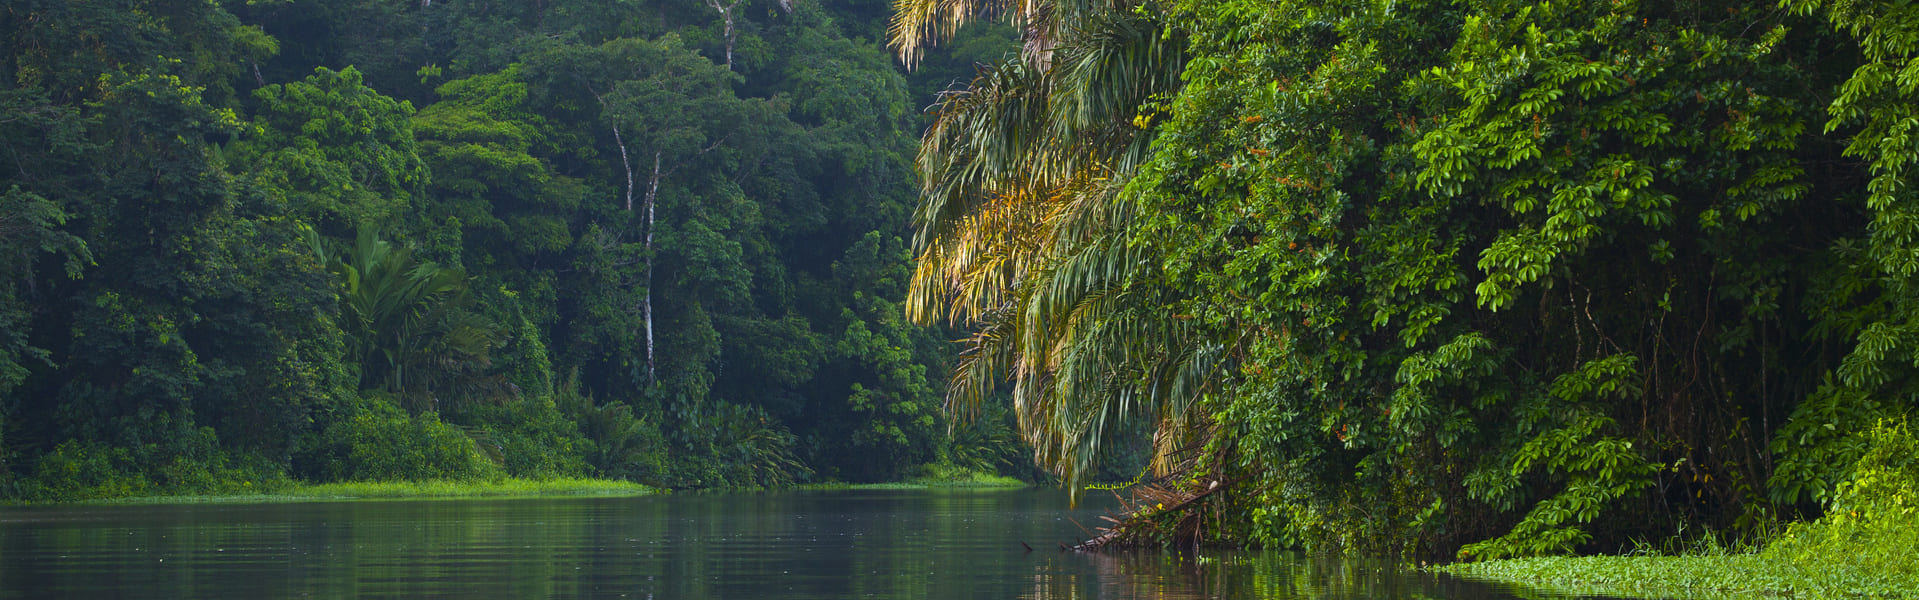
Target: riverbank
{"points": [[1865, 546], [933, 476], [1811, 560], [397, 490], [274, 492], [513, 488]]}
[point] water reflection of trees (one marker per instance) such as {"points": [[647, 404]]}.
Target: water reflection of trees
{"points": [[1244, 575]]}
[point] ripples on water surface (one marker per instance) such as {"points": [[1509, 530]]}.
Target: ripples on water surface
{"points": [[830, 544]]}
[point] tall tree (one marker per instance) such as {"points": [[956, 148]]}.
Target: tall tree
{"points": [[341, 153], [1024, 237], [194, 311], [1484, 299], [663, 108]]}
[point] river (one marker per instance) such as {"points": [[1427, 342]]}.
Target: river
{"points": [[798, 544]]}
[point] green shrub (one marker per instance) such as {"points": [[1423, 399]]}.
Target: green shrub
{"points": [[1885, 481], [1868, 541], [387, 446], [751, 448], [186, 460], [532, 456], [620, 445], [77, 470], [1818, 445], [535, 440], [954, 475]]}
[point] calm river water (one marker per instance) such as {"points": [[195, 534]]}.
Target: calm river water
{"points": [[809, 544]]}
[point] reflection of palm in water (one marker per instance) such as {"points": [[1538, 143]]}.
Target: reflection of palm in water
{"points": [[1141, 574]]}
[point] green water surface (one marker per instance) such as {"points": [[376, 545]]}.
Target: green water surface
{"points": [[805, 544]]}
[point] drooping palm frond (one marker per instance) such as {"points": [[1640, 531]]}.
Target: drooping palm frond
{"points": [[919, 24], [986, 142], [970, 271], [1077, 326], [1024, 237], [446, 361], [1108, 73], [1112, 65], [1096, 330]]}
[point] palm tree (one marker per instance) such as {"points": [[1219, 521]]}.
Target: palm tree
{"points": [[412, 335], [1025, 238]]}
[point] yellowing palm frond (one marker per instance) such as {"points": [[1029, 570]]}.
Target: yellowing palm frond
{"points": [[1024, 237]]}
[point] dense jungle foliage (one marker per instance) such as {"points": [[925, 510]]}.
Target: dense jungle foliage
{"points": [[1465, 279], [249, 242]]}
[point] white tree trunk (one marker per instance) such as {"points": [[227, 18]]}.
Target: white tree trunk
{"points": [[646, 301], [652, 190], [626, 164], [726, 15]]}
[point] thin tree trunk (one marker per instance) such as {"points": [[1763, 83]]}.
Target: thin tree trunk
{"points": [[1038, 45], [652, 191], [726, 15], [646, 301], [628, 165]]}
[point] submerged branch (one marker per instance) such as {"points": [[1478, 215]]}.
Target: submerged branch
{"points": [[1136, 524]]}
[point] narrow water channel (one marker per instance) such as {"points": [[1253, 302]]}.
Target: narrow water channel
{"points": [[808, 544]]}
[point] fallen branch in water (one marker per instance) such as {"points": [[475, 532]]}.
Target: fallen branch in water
{"points": [[1149, 501]]}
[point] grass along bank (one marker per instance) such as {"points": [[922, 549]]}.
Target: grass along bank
{"points": [[1865, 569], [395, 490], [1866, 546], [936, 475], [949, 475]]}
